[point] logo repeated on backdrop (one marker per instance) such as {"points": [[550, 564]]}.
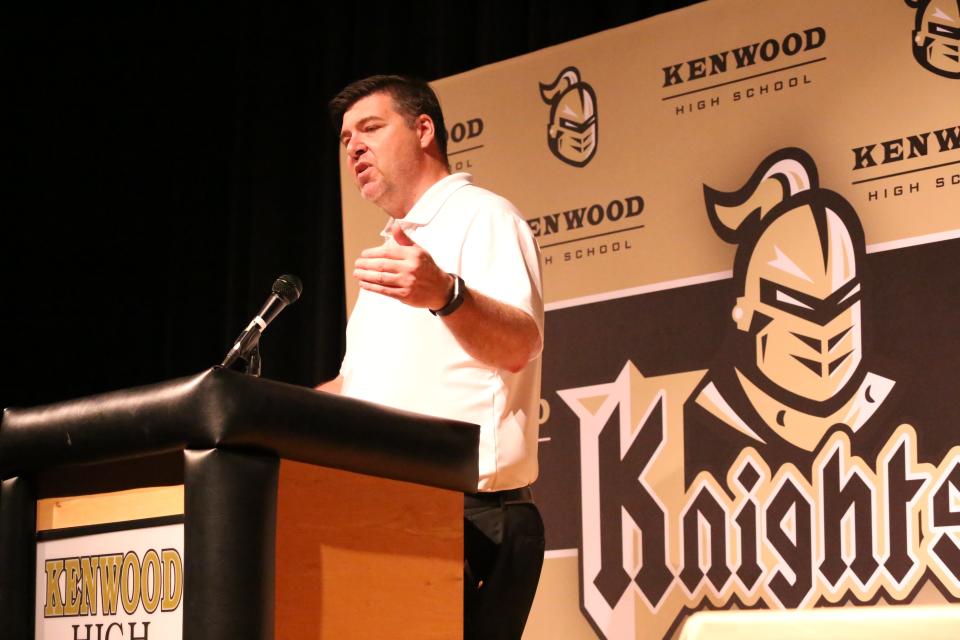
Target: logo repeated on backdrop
{"points": [[572, 131], [921, 161], [936, 46], [936, 36], [464, 142], [743, 74], [800, 485], [554, 230], [585, 230]]}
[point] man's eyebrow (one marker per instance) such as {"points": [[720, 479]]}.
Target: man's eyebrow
{"points": [[359, 123]]}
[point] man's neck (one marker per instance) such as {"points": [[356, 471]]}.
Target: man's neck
{"points": [[427, 179]]}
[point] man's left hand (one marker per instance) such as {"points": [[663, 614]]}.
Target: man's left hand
{"points": [[404, 271]]}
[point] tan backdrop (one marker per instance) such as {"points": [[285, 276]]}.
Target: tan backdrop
{"points": [[855, 498]]}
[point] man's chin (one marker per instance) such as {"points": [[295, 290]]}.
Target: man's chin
{"points": [[370, 192]]}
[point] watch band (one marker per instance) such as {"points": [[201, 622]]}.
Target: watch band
{"points": [[455, 300]]}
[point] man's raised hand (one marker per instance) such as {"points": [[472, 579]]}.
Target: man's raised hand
{"points": [[404, 271]]}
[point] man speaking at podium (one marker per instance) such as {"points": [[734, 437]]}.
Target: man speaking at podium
{"points": [[449, 322]]}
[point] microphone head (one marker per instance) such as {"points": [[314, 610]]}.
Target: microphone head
{"points": [[288, 288]]}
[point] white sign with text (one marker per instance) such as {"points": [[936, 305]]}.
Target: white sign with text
{"points": [[117, 585]]}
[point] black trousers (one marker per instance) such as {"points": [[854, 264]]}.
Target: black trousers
{"points": [[503, 554]]}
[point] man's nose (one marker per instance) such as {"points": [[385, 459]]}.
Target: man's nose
{"points": [[356, 148]]}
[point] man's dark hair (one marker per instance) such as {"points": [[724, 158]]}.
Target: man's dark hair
{"points": [[412, 97]]}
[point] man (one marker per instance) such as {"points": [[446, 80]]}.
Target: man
{"points": [[449, 322]]}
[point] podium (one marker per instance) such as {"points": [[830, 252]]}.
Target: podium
{"points": [[288, 513]]}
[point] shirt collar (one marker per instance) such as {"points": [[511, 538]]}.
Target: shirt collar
{"points": [[426, 208], [432, 200]]}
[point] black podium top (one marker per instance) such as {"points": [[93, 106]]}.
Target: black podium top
{"points": [[221, 408]]}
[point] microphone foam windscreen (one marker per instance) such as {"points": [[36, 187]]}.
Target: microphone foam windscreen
{"points": [[288, 288]]}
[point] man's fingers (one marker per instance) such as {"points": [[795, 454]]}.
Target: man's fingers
{"points": [[378, 264], [374, 276], [397, 293], [383, 251], [401, 237], [374, 287]]}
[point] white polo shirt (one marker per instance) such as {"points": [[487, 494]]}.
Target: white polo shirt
{"points": [[404, 357]]}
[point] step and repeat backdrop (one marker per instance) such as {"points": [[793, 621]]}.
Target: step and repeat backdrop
{"points": [[749, 215]]}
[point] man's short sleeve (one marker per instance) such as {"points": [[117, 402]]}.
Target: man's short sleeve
{"points": [[500, 258]]}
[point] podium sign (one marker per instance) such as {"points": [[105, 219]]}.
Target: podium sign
{"points": [[121, 580]]}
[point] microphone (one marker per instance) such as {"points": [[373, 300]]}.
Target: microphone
{"points": [[286, 290]]}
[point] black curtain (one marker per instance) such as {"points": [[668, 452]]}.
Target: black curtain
{"points": [[164, 166]]}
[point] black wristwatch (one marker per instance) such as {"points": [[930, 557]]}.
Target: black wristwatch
{"points": [[455, 300]]}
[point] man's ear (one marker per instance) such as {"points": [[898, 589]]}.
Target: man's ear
{"points": [[425, 130]]}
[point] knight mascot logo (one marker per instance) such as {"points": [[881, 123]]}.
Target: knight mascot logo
{"points": [[572, 130], [788, 473], [936, 37], [794, 368]]}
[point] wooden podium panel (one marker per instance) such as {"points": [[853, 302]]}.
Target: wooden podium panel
{"points": [[364, 557], [356, 556], [116, 506]]}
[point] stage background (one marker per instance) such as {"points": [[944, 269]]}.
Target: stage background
{"points": [[164, 164], [639, 300], [164, 167]]}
